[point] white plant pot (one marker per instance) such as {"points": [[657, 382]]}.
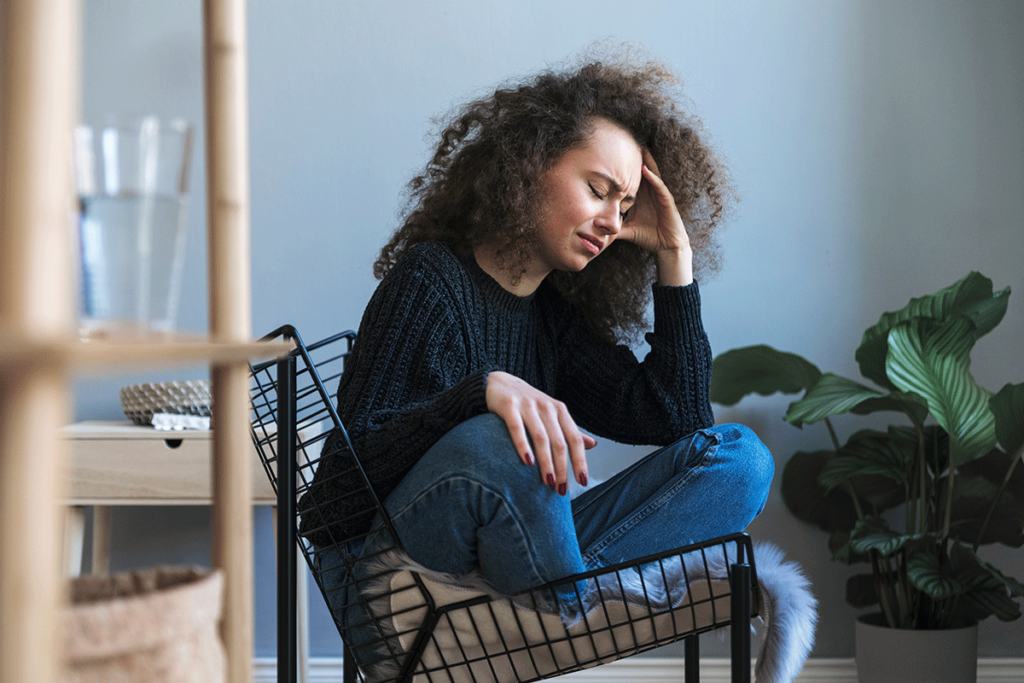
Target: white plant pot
{"points": [[890, 655]]}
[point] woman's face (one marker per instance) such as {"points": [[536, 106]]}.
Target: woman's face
{"points": [[584, 196]]}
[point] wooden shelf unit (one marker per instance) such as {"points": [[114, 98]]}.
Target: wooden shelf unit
{"points": [[39, 108], [84, 358]]}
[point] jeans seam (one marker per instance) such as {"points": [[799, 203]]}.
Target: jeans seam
{"points": [[591, 557], [589, 503]]}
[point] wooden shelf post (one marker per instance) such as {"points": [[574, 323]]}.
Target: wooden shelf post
{"points": [[39, 60], [227, 164], [39, 42]]}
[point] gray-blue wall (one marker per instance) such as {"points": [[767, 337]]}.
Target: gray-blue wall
{"points": [[878, 147]]}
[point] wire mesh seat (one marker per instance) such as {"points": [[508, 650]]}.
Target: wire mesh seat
{"points": [[400, 622]]}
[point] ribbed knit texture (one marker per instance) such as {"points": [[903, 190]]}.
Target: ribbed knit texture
{"points": [[436, 327]]}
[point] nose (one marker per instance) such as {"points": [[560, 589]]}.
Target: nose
{"points": [[609, 220]]}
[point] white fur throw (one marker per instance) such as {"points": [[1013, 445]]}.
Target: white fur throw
{"points": [[529, 635]]}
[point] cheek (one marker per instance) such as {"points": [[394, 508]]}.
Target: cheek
{"points": [[567, 219], [564, 207], [577, 207]]}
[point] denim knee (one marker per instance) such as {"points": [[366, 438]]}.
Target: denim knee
{"points": [[485, 434], [478, 450], [753, 460], [470, 502]]}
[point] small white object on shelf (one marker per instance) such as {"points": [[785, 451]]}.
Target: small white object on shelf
{"points": [[169, 422]]}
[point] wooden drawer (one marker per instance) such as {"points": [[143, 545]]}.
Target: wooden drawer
{"points": [[121, 463]]}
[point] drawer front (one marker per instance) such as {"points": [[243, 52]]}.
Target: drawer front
{"points": [[156, 471]]}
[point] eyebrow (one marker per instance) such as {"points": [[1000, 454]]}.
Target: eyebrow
{"points": [[614, 186]]}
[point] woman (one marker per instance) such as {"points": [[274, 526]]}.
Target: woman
{"points": [[550, 215]]}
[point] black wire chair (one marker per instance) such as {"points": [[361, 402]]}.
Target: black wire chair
{"points": [[404, 625]]}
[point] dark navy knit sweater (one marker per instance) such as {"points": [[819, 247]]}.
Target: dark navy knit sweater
{"points": [[437, 326]]}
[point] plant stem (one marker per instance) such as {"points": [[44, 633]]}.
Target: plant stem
{"points": [[933, 509], [848, 487], [999, 493], [950, 611], [846, 484], [832, 433], [881, 587], [949, 496], [911, 603], [900, 588], [922, 474]]}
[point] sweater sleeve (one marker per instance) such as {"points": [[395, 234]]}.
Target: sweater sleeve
{"points": [[411, 379], [408, 381], [652, 402]]}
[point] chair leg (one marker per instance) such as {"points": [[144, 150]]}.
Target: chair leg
{"points": [[691, 663], [740, 628], [349, 666], [287, 617]]}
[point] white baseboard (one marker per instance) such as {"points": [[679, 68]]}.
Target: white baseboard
{"points": [[669, 670]]}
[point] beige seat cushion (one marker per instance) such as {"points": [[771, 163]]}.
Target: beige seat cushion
{"points": [[504, 638]]}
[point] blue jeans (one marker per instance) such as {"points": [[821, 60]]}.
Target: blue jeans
{"points": [[470, 503]]}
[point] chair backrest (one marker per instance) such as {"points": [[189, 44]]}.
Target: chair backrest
{"points": [[319, 435]]}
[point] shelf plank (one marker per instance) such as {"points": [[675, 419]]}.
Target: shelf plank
{"points": [[104, 356], [111, 354]]}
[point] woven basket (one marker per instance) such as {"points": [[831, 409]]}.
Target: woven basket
{"points": [[188, 397], [157, 625]]}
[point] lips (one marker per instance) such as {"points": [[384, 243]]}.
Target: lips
{"points": [[591, 244]]}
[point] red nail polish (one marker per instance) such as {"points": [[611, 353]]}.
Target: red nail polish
{"points": [[583, 478], [529, 458], [551, 480], [562, 488]]}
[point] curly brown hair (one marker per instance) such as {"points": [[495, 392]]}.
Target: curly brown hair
{"points": [[482, 184]]}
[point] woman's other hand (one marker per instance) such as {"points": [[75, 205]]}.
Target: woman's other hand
{"points": [[653, 223], [533, 416]]}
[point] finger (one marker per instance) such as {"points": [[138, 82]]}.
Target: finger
{"points": [[652, 174], [517, 431], [661, 191], [670, 222], [589, 441], [577, 441], [560, 444], [541, 445], [649, 162]]}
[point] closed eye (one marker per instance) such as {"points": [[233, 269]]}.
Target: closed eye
{"points": [[593, 190], [625, 212]]}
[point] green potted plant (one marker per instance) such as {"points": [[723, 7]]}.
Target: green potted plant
{"points": [[916, 501]]}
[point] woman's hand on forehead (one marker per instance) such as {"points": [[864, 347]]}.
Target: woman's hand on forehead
{"points": [[653, 223]]}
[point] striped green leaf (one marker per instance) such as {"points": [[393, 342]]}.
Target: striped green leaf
{"points": [[874, 533], [983, 602], [899, 401], [931, 578], [831, 395], [807, 500], [759, 369], [971, 296], [987, 590], [869, 452], [1008, 408], [932, 359]]}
